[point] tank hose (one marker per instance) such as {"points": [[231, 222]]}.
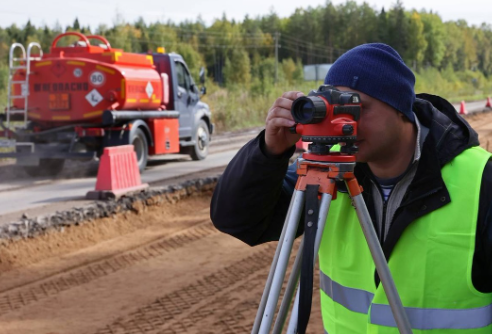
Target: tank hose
{"points": [[46, 132]]}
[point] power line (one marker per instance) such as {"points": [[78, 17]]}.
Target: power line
{"points": [[207, 33], [240, 36], [223, 36], [218, 33], [146, 41], [307, 53], [317, 46]]}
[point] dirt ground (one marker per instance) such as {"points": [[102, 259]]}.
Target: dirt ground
{"points": [[161, 269]]}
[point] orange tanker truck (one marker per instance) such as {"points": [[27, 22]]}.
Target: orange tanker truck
{"points": [[78, 99]]}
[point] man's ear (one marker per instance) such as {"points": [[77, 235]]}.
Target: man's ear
{"points": [[405, 118]]}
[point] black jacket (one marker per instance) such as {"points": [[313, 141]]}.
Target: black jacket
{"points": [[252, 196]]}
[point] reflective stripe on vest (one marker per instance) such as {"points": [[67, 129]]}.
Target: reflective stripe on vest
{"points": [[360, 301], [354, 299]]}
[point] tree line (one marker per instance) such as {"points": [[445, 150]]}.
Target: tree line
{"points": [[253, 52]]}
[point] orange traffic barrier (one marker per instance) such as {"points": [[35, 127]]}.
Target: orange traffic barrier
{"points": [[118, 173], [463, 108], [488, 104]]}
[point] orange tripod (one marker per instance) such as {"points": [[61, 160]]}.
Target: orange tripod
{"points": [[318, 175]]}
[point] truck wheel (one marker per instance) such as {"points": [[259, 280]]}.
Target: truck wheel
{"points": [[200, 150], [139, 142], [46, 167]]}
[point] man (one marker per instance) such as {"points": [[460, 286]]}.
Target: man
{"points": [[428, 189]]}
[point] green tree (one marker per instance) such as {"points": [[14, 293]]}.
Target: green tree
{"points": [[76, 25], [161, 35], [237, 69], [416, 41], [398, 28], [299, 72], [434, 35], [264, 82], [221, 39], [271, 22], [119, 38], [4, 75], [383, 27], [329, 29], [483, 38], [193, 58], [368, 24], [289, 69], [4, 46], [453, 41], [467, 53], [28, 31]]}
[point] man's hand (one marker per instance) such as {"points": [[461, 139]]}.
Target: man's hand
{"points": [[278, 139]]}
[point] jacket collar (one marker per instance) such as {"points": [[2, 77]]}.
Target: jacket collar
{"points": [[451, 133]]}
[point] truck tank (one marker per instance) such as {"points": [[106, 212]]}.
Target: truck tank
{"points": [[75, 84]]}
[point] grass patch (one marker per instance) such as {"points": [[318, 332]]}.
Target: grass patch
{"points": [[237, 108], [454, 86]]}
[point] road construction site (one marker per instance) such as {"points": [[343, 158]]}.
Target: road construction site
{"points": [[151, 263]]}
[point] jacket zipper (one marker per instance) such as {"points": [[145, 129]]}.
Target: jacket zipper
{"points": [[383, 220], [385, 203]]}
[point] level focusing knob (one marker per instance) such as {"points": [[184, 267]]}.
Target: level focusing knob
{"points": [[347, 129]]}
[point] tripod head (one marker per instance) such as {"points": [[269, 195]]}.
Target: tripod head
{"points": [[327, 117]]}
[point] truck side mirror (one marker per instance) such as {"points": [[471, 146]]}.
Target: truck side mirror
{"points": [[202, 75], [203, 90]]}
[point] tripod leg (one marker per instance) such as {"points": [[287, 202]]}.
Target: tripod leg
{"points": [[323, 214], [292, 328], [292, 222], [268, 284], [381, 264], [289, 292]]}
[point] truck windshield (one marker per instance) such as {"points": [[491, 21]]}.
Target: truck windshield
{"points": [[184, 79]]}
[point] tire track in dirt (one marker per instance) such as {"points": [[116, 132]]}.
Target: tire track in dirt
{"points": [[482, 124], [224, 302], [180, 310], [36, 291]]}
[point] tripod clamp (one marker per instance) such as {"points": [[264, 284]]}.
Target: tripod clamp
{"points": [[318, 175]]}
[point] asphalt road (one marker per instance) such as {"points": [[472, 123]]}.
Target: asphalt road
{"points": [[25, 194]]}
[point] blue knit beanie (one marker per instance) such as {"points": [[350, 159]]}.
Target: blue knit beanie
{"points": [[376, 70]]}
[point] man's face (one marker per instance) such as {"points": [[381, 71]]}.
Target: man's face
{"points": [[379, 129]]}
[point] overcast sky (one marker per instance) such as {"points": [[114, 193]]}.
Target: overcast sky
{"points": [[95, 12]]}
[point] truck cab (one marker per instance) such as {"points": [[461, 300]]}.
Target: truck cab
{"points": [[195, 125]]}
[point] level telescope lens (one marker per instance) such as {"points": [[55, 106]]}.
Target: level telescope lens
{"points": [[308, 110], [304, 109]]}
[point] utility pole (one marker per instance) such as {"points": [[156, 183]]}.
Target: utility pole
{"points": [[277, 36]]}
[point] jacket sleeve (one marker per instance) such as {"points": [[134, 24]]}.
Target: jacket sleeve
{"points": [[252, 196], [482, 262]]}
